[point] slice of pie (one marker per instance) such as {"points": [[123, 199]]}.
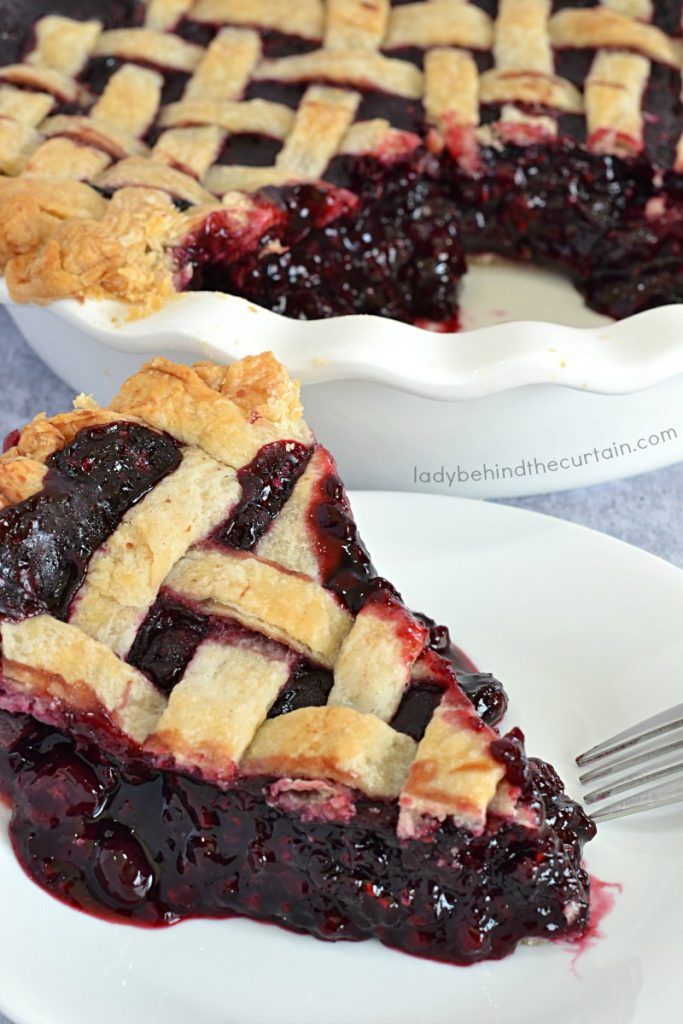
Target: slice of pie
{"points": [[213, 705], [323, 157]]}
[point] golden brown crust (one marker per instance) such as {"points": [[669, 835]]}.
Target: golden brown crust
{"points": [[215, 710], [454, 773], [340, 744], [249, 405], [283, 605], [31, 212], [261, 387], [20, 478], [122, 255], [51, 657], [42, 437], [125, 575], [125, 252], [216, 720]]}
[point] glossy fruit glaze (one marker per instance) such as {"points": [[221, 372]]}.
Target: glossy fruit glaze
{"points": [[47, 541], [113, 835], [389, 234], [267, 483]]}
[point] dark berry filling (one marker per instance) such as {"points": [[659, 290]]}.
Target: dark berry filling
{"points": [[345, 565], [250, 150], [395, 251], [167, 641], [267, 484], [308, 686], [119, 838], [11, 440], [486, 693], [47, 541], [16, 39], [417, 706]]}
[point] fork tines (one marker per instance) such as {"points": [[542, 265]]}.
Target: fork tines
{"points": [[655, 749]]}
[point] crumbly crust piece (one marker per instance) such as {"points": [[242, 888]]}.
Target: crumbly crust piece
{"points": [[31, 212], [19, 479], [122, 255], [228, 412], [43, 437], [334, 743]]}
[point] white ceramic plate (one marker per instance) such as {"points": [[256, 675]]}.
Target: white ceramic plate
{"points": [[534, 377], [585, 632]]}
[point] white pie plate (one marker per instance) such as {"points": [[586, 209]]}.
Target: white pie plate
{"points": [[536, 394], [585, 631]]}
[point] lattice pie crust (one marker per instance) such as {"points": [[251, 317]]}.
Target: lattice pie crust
{"points": [[89, 208], [215, 722]]}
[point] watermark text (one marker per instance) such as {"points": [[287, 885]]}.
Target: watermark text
{"points": [[535, 467]]}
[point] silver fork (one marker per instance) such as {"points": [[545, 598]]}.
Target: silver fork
{"points": [[639, 756]]}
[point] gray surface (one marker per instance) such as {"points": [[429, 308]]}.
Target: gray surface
{"points": [[645, 510]]}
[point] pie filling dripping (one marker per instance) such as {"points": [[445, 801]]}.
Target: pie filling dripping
{"points": [[119, 838]]}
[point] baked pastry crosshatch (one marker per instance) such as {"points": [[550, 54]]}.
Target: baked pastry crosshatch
{"points": [[321, 158], [212, 704]]}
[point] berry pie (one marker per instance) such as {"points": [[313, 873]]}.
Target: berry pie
{"points": [[211, 704], [324, 157]]}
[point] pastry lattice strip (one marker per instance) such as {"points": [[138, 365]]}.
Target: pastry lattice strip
{"points": [[361, 46], [265, 612]]}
